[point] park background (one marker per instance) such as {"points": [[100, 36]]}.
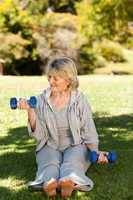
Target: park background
{"points": [[98, 36]]}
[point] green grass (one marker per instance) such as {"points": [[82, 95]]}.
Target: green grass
{"points": [[111, 99]]}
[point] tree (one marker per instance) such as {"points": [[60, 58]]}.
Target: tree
{"points": [[102, 18]]}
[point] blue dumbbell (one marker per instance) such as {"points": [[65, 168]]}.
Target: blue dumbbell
{"points": [[111, 156], [14, 102]]}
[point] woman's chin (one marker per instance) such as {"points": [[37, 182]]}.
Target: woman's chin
{"points": [[53, 89]]}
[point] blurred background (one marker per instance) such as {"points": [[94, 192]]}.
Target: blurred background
{"points": [[96, 34]]}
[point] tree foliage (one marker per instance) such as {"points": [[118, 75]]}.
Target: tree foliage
{"points": [[34, 31], [102, 18]]}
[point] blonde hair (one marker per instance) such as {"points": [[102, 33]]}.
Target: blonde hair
{"points": [[66, 68]]}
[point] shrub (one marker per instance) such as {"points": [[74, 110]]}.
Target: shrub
{"points": [[59, 20], [101, 18], [13, 46], [111, 51], [18, 47], [129, 43], [17, 53], [100, 62], [87, 60]]}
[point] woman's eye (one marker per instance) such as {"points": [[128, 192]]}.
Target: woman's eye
{"points": [[56, 79]]}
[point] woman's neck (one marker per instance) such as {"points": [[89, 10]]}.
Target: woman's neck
{"points": [[60, 99], [60, 94]]}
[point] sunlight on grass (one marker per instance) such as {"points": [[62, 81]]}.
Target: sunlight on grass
{"points": [[12, 183]]}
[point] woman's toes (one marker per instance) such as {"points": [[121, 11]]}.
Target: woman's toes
{"points": [[50, 187], [67, 187]]}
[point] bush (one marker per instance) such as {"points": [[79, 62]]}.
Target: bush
{"points": [[18, 47], [59, 20], [100, 62], [101, 18], [111, 51], [129, 43], [56, 37], [18, 55], [87, 60], [13, 46]]}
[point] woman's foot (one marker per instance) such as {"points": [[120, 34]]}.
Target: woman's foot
{"points": [[67, 187], [50, 187]]}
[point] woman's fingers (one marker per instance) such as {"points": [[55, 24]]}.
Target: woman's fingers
{"points": [[22, 104], [102, 158]]}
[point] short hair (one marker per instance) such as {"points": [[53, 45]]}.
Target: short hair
{"points": [[66, 68]]}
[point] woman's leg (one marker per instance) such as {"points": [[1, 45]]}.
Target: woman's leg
{"points": [[48, 162], [75, 164]]}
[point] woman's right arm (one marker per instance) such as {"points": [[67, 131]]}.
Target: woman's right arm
{"points": [[30, 111], [36, 126], [32, 118]]}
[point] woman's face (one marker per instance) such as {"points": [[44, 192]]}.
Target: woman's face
{"points": [[57, 83]]}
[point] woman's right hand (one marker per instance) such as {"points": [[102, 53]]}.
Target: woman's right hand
{"points": [[23, 104]]}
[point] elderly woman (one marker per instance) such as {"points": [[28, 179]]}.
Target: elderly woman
{"points": [[65, 132]]}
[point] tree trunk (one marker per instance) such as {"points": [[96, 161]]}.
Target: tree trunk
{"points": [[1, 69]]}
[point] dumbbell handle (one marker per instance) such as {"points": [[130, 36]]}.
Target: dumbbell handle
{"points": [[111, 156], [14, 102]]}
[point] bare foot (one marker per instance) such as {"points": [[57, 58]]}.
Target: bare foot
{"points": [[67, 187], [50, 187]]}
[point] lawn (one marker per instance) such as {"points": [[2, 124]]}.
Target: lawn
{"points": [[111, 99]]}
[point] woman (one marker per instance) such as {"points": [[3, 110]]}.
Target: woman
{"points": [[65, 132]]}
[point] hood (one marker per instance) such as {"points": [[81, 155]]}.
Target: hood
{"points": [[75, 95]]}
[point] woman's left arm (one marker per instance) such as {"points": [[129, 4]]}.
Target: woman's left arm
{"points": [[89, 133], [88, 130]]}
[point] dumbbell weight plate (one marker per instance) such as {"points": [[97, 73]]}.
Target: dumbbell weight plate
{"points": [[112, 157], [13, 103], [93, 157], [32, 102]]}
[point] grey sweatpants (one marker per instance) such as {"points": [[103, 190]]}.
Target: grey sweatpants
{"points": [[72, 163]]}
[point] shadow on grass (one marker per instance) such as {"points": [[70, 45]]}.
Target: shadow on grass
{"points": [[115, 132], [18, 160], [22, 194]]}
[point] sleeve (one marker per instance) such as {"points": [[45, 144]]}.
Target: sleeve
{"points": [[88, 129], [40, 132]]}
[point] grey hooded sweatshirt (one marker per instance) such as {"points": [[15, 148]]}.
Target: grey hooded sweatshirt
{"points": [[79, 117]]}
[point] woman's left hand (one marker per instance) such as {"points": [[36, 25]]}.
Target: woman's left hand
{"points": [[102, 158]]}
